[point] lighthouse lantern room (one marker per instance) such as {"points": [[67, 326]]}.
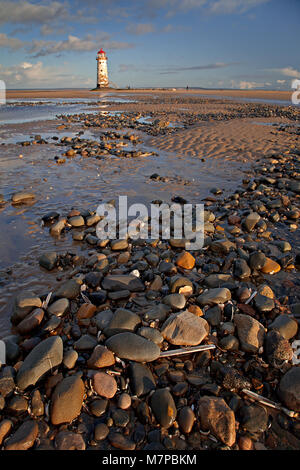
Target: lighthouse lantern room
{"points": [[102, 75]]}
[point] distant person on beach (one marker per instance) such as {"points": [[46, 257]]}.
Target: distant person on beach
{"points": [[187, 87]]}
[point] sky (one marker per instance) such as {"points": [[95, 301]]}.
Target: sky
{"points": [[246, 44]]}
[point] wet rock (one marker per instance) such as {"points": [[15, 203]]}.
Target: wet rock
{"points": [[157, 312], [263, 303], [124, 401], [152, 334], [119, 245], [37, 404], [22, 197], [77, 221], [216, 417], [98, 407], [241, 269], [102, 319], [66, 400], [101, 357], [175, 301], [24, 303], [85, 343], [141, 379], [119, 441], [254, 418], [31, 321], [70, 358], [69, 290], [277, 349], [251, 221], [286, 325], [163, 407], [58, 227], [250, 332], [133, 347], [24, 437], [120, 418], [104, 384], [186, 419], [44, 357], [18, 405], [59, 307], [257, 260], [101, 432], [185, 260], [123, 282], [48, 260], [213, 315], [214, 296], [123, 320], [229, 343], [68, 440], [86, 311], [270, 267], [185, 329]]}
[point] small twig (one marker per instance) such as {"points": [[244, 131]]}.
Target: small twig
{"points": [[191, 350], [270, 403]]}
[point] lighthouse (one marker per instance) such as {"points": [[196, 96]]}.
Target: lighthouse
{"points": [[102, 75]]}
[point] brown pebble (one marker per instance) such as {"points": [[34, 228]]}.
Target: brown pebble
{"points": [[104, 384]]}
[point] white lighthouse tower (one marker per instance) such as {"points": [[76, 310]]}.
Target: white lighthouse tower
{"points": [[102, 75]]}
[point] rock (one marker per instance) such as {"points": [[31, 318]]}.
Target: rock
{"points": [[278, 349], [229, 343], [175, 301], [122, 320], [251, 333], [44, 357], [98, 407], [254, 418], [217, 280], [68, 440], [77, 221], [214, 296], [152, 334], [119, 245], [85, 343], [37, 405], [24, 438], [86, 311], [102, 319], [119, 441], [70, 358], [120, 418], [186, 419], [287, 326], [69, 290], [216, 417], [179, 282], [270, 267], [7, 383], [59, 307], [22, 197], [101, 357], [123, 282], [185, 260], [245, 443], [18, 405], [141, 379], [289, 389], [101, 432], [124, 401], [157, 312], [163, 407], [58, 227], [5, 428], [31, 321], [104, 384], [133, 347], [48, 260], [257, 260], [263, 303], [241, 269], [185, 329], [24, 303], [222, 247], [66, 400], [251, 221], [213, 315]]}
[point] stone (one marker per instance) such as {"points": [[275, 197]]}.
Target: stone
{"points": [[185, 260], [257, 260], [245, 443], [263, 303], [5, 428], [58, 227], [70, 358], [85, 343], [179, 282], [68, 440], [48, 260], [31, 321], [216, 417], [186, 419], [157, 312], [69, 290], [23, 305], [119, 245], [101, 357], [163, 407], [122, 320], [222, 247], [286, 325], [277, 349], [152, 334], [241, 269], [86, 311], [254, 418], [45, 356], [7, 383], [67, 400], [133, 347], [229, 343], [213, 315], [122, 282], [175, 301], [24, 437], [185, 329], [22, 197], [214, 296], [18, 405], [98, 407], [76, 221], [124, 401], [37, 404], [141, 379], [59, 307], [119, 441], [270, 267], [102, 319], [250, 332], [104, 384], [289, 389], [101, 432], [120, 418], [251, 221]]}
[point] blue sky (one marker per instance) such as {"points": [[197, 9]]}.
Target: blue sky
{"points": [[244, 44]]}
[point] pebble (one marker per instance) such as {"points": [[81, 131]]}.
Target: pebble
{"points": [[124, 401], [250, 332], [185, 329], [101, 432], [254, 418], [119, 441], [6, 426], [270, 267], [216, 417], [68, 440], [141, 379], [175, 301], [289, 389], [30, 322], [69, 290], [122, 320], [48, 260], [163, 407], [185, 260], [186, 419], [122, 282], [133, 347], [67, 400], [101, 357], [286, 325], [59, 307], [22, 197], [104, 384], [214, 296], [24, 437]]}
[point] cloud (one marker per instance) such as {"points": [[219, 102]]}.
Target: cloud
{"points": [[22, 12], [233, 6], [27, 74], [140, 28], [41, 48], [281, 82], [246, 85], [288, 72], [10, 43], [217, 65]]}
